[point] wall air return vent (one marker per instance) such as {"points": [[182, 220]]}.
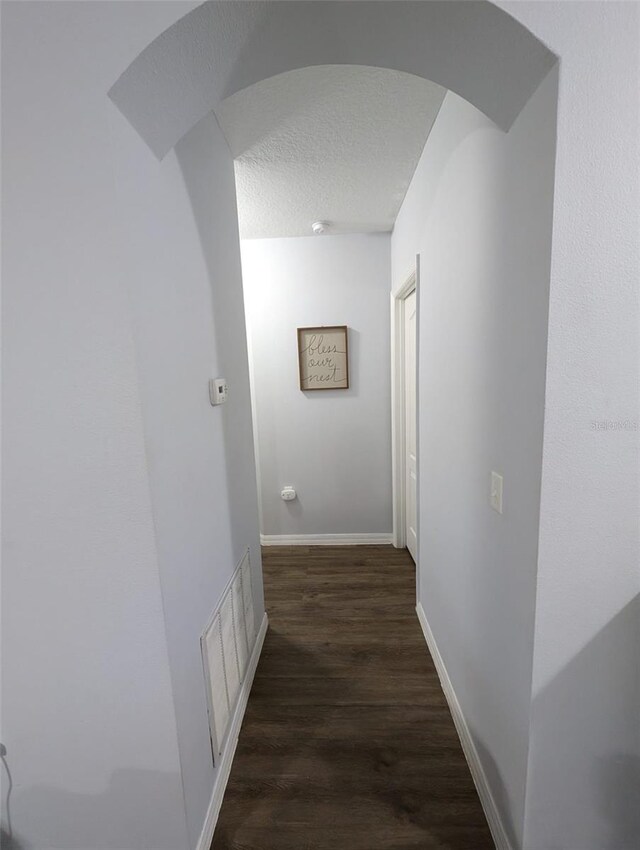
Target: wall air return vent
{"points": [[227, 643]]}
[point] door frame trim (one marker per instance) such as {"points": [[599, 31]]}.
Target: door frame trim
{"points": [[398, 441]]}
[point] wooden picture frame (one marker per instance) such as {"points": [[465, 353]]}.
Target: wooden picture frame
{"points": [[323, 358]]}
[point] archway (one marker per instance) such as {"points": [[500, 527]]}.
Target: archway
{"points": [[474, 49]]}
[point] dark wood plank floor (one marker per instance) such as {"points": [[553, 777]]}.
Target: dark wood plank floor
{"points": [[347, 742]]}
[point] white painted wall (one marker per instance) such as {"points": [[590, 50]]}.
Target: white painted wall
{"points": [[478, 212], [128, 499], [584, 770], [333, 446], [188, 316]]}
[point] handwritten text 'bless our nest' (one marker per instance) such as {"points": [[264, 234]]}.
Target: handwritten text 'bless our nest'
{"points": [[320, 361]]}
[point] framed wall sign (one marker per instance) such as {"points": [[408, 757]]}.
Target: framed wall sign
{"points": [[323, 358]]}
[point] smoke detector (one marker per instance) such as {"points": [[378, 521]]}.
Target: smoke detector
{"points": [[319, 227]]}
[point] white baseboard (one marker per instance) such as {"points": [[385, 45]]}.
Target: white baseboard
{"points": [[224, 767], [326, 539], [487, 800]]}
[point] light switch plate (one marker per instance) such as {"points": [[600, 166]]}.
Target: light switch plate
{"points": [[495, 496], [218, 391]]}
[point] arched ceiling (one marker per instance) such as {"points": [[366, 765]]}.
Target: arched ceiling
{"points": [[335, 142], [473, 48]]}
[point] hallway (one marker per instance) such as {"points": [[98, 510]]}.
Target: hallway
{"points": [[347, 741]]}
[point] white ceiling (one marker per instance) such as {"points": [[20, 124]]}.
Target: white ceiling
{"points": [[335, 142]]}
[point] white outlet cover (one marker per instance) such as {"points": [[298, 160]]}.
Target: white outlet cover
{"points": [[495, 496]]}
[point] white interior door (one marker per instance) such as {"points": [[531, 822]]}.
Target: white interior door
{"points": [[410, 437]]}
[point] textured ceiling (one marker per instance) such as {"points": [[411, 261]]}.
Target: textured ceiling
{"points": [[336, 142]]}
